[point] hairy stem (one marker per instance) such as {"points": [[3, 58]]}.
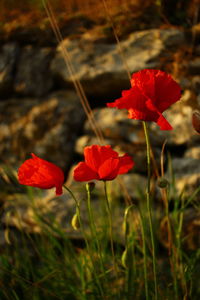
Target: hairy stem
{"points": [[149, 206], [110, 226]]}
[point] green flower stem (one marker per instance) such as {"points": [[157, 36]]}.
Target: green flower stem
{"points": [[179, 260], [164, 193], [149, 206], [110, 226], [171, 250], [93, 228], [128, 257], [144, 249], [86, 241]]}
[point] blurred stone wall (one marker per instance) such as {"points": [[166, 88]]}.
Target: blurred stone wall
{"points": [[41, 112]]}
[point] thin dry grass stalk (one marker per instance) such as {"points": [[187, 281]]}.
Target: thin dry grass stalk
{"points": [[76, 82]]}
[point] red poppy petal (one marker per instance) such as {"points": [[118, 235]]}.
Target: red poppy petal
{"points": [[40, 173], [109, 169], [95, 155], [148, 113], [144, 80], [84, 173], [59, 190], [132, 98], [163, 123], [157, 85], [126, 93], [143, 76], [35, 156], [25, 172], [32, 174], [152, 92], [122, 103], [48, 173], [167, 90], [125, 164], [145, 115]]}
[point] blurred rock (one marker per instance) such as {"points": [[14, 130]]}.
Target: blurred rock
{"points": [[137, 152], [198, 100], [25, 211], [196, 121], [48, 128], [8, 57], [20, 211], [76, 25], [115, 125], [185, 83], [187, 96], [2, 239], [117, 129], [131, 185], [33, 77], [101, 69], [196, 84], [31, 35], [194, 66], [179, 115], [123, 134], [191, 228], [193, 152], [185, 166], [187, 174], [45, 210], [195, 33], [88, 140], [190, 231], [135, 185], [127, 135]]}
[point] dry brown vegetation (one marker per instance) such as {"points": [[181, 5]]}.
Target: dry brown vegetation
{"points": [[73, 6], [10, 9], [21, 13]]}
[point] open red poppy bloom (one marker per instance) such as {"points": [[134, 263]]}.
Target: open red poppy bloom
{"points": [[40, 173], [151, 93], [102, 163]]}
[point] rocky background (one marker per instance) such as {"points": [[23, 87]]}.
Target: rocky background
{"points": [[41, 112]]}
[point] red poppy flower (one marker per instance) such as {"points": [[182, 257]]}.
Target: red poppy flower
{"points": [[102, 163], [40, 173], [151, 93]]}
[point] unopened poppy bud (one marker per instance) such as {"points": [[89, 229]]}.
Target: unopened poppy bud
{"points": [[91, 186], [196, 121], [163, 183], [75, 222], [126, 227], [124, 258]]}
